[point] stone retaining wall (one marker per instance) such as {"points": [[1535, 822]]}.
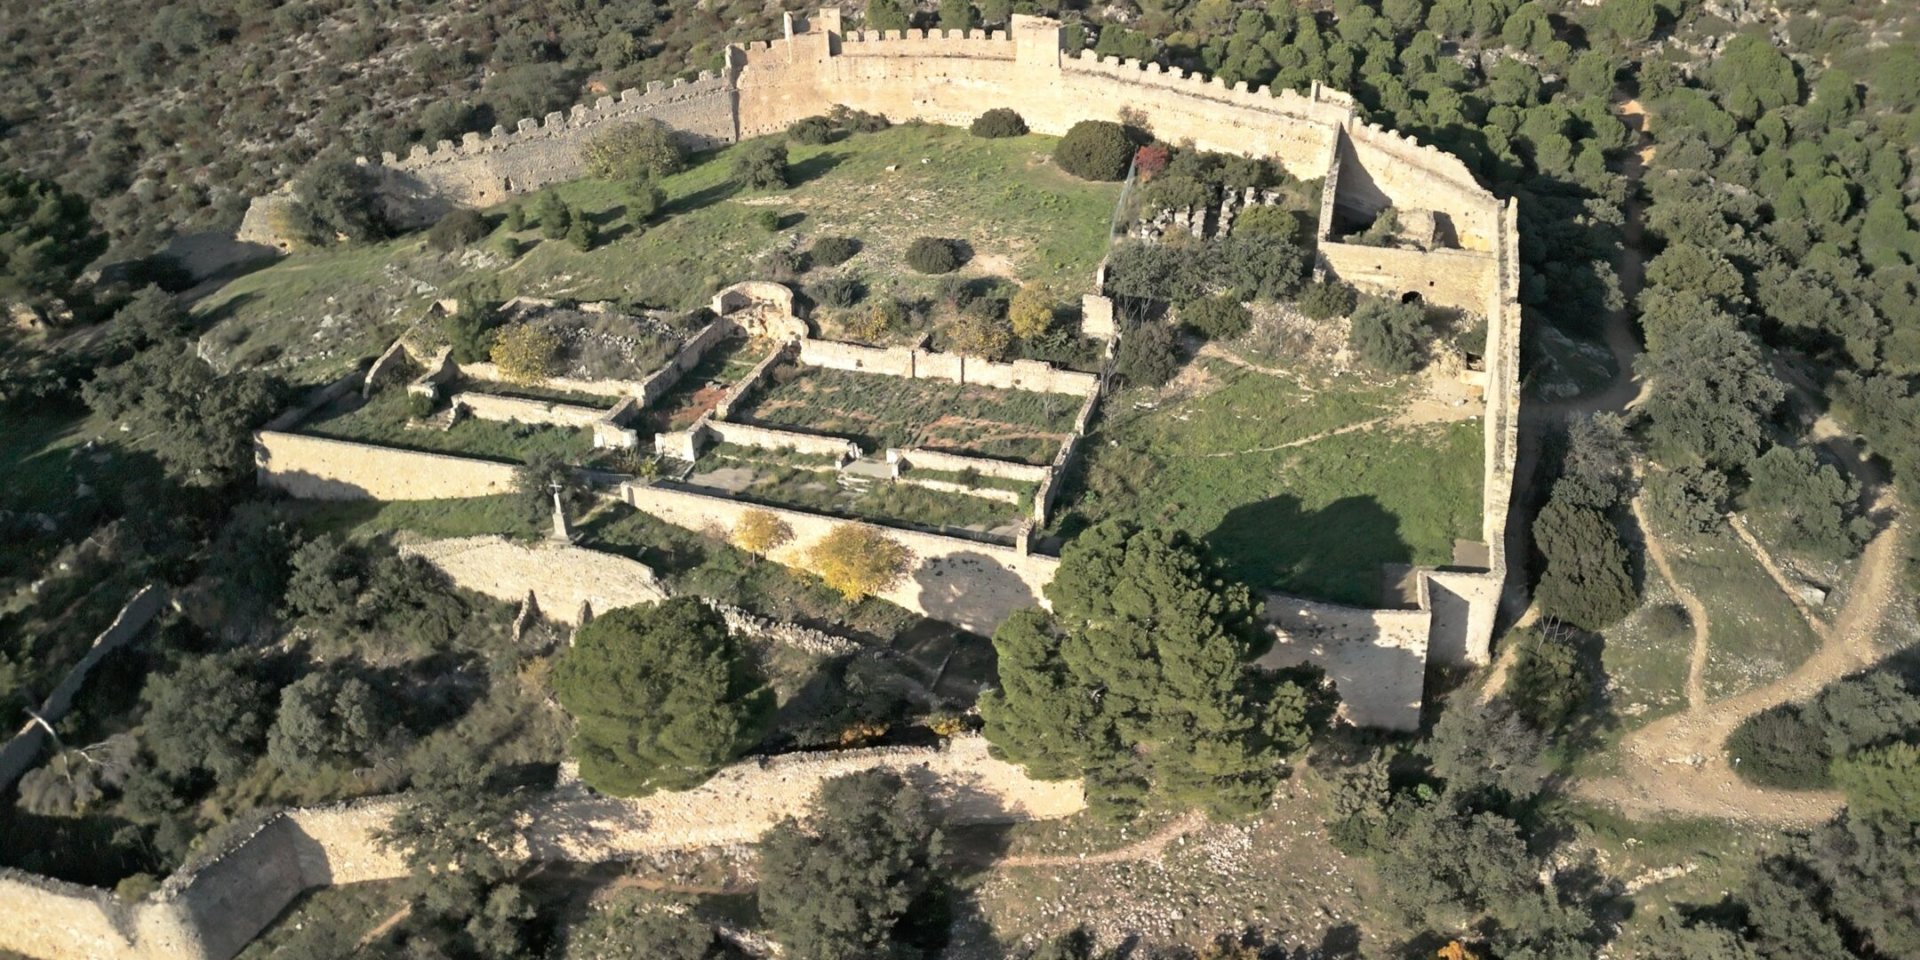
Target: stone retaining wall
{"points": [[213, 908], [1032, 375], [319, 468], [974, 584], [21, 752], [490, 406]]}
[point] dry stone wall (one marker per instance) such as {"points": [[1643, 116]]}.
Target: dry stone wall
{"points": [[1448, 278], [1377, 659], [490, 406], [562, 577], [974, 584], [20, 752], [211, 910], [319, 468], [908, 362], [916, 458]]}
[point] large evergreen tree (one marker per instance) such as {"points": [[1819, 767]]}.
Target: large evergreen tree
{"points": [[662, 696], [1139, 678], [848, 882]]}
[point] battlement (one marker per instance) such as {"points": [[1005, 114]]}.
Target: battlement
{"points": [[630, 104], [1319, 104]]}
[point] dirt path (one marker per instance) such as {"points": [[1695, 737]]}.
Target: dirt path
{"points": [[1312, 438], [393, 920], [1145, 849], [1676, 765], [1696, 611], [1779, 576]]}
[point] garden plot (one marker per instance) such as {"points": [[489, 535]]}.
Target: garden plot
{"points": [[696, 393], [879, 412], [386, 419], [810, 483]]}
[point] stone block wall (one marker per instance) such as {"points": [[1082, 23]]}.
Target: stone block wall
{"points": [[1033, 375], [212, 909], [686, 358], [21, 752], [768, 438], [318, 468], [489, 373], [741, 392], [912, 457], [489, 406], [485, 169], [1448, 278], [1377, 659], [973, 584]]}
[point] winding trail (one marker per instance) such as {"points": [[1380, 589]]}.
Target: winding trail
{"points": [[1144, 849], [1696, 611], [1760, 553], [1677, 765]]}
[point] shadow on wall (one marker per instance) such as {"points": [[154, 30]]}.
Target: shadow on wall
{"points": [[970, 589], [1334, 553], [302, 485]]}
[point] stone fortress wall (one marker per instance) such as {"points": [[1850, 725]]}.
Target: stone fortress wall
{"points": [[211, 909]]}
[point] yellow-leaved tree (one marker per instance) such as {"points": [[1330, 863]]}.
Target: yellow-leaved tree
{"points": [[760, 532], [858, 561], [1031, 312], [525, 353]]}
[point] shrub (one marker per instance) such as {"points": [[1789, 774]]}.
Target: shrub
{"points": [[419, 406], [1030, 312], [1094, 150], [1586, 581], [842, 291], [457, 229], [1805, 504], [1692, 499], [1147, 355], [768, 220], [581, 232], [554, 215], [880, 318], [833, 251], [858, 561], [644, 199], [761, 165], [1390, 337], [996, 123], [516, 219], [1779, 748], [846, 118], [1273, 220], [813, 131], [1549, 680], [1327, 299], [1216, 318], [934, 255], [1174, 192], [525, 353], [644, 149], [982, 333], [1668, 624]]}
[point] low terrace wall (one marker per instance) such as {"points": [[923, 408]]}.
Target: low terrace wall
{"points": [[319, 468], [915, 457], [907, 362], [488, 406], [973, 584]]}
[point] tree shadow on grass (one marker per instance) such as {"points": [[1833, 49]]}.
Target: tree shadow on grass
{"points": [[704, 197], [813, 168], [1334, 553]]}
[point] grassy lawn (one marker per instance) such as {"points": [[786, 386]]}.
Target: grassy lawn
{"points": [[1755, 635], [880, 411], [505, 514], [1238, 465], [314, 313], [384, 419]]}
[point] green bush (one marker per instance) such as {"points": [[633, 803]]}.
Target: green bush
{"points": [[761, 165], [833, 251], [1549, 680], [644, 149], [996, 123], [1778, 748], [1390, 337], [841, 291], [1148, 356], [768, 220], [934, 255], [812, 131], [1690, 498], [1586, 581], [554, 215], [1216, 318], [457, 229], [1095, 150], [1327, 299], [419, 406], [644, 199]]}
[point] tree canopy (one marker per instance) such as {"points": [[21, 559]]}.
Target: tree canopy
{"points": [[1139, 680], [662, 696], [842, 884], [47, 237]]}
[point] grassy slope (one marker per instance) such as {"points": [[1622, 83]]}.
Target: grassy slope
{"points": [[322, 309], [1317, 519]]}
